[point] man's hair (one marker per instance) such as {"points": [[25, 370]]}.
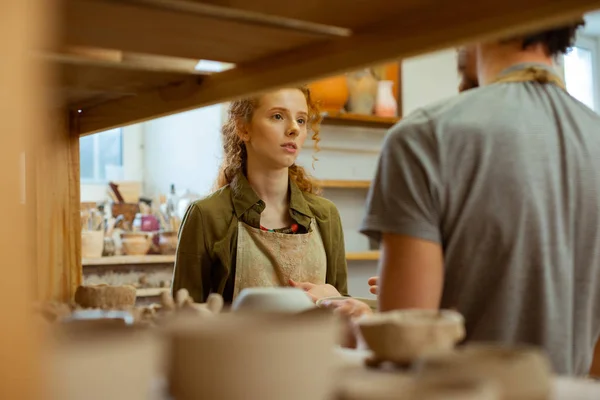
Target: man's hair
{"points": [[558, 40]]}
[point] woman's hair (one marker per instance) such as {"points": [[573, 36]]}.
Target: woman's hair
{"points": [[235, 156]]}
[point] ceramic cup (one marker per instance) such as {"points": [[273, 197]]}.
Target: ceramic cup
{"points": [[272, 300]]}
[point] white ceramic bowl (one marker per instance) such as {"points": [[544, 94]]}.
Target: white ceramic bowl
{"points": [[272, 300]]}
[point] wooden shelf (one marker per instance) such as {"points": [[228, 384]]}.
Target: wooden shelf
{"points": [[151, 292], [345, 184], [347, 119], [372, 255], [125, 260]]}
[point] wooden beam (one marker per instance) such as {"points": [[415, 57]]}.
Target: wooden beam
{"points": [[23, 27], [151, 30], [246, 16], [58, 263], [424, 28]]}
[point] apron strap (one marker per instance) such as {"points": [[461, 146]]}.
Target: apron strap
{"points": [[532, 74]]}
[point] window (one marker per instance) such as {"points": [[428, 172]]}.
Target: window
{"points": [[580, 73], [101, 156]]}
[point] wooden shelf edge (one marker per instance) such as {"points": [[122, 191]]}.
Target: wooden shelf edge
{"points": [[372, 255], [350, 119], [345, 184], [123, 260]]}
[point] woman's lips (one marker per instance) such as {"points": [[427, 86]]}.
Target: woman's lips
{"points": [[290, 147]]}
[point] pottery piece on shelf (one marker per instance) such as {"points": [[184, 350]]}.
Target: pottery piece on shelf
{"points": [[520, 372], [167, 241], [242, 356], [272, 300], [136, 243], [331, 93], [105, 297], [92, 244], [385, 104], [404, 335], [362, 87]]}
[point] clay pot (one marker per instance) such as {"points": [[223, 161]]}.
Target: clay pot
{"points": [[405, 335], [363, 88], [167, 241], [268, 357], [330, 93], [92, 244], [136, 244], [100, 362], [520, 373]]}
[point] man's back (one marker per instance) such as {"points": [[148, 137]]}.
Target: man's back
{"points": [[508, 176]]}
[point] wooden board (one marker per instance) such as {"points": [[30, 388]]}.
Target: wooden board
{"points": [[348, 119], [133, 27], [403, 29], [22, 28]]}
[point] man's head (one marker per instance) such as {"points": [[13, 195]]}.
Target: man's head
{"points": [[467, 68], [490, 58]]}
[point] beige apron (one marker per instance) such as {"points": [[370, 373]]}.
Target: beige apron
{"points": [[531, 74], [267, 259]]}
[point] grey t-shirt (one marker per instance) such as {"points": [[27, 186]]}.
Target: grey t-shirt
{"points": [[507, 179]]}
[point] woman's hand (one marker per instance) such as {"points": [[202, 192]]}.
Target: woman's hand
{"points": [[373, 284], [316, 292], [349, 307]]}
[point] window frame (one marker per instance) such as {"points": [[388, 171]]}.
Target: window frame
{"points": [[96, 180], [592, 44]]}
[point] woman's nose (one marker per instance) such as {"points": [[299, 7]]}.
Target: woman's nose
{"points": [[293, 129]]}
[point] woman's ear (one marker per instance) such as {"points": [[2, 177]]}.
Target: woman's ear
{"points": [[241, 128]]}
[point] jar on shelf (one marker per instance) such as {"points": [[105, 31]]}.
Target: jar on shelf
{"points": [[385, 104]]}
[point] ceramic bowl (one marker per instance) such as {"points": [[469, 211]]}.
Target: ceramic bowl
{"points": [[272, 300], [404, 335], [370, 302], [521, 372]]}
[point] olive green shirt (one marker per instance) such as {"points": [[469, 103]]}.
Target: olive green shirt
{"points": [[206, 253]]}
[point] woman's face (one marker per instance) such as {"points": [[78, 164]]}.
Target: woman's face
{"points": [[278, 129]]}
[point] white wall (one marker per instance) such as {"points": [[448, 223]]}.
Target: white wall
{"points": [[183, 149], [428, 78]]}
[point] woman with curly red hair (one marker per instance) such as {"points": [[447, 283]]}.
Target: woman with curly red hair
{"points": [[265, 225]]}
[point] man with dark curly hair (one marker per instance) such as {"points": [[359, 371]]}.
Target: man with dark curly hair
{"points": [[489, 203]]}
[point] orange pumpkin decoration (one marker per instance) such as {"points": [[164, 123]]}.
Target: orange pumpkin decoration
{"points": [[331, 93]]}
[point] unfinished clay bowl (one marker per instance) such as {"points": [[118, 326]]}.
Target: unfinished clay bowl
{"points": [[238, 356], [99, 363], [521, 373], [272, 300], [403, 336], [105, 297]]}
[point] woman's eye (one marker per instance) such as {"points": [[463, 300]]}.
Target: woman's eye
{"points": [[301, 121], [278, 116]]}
